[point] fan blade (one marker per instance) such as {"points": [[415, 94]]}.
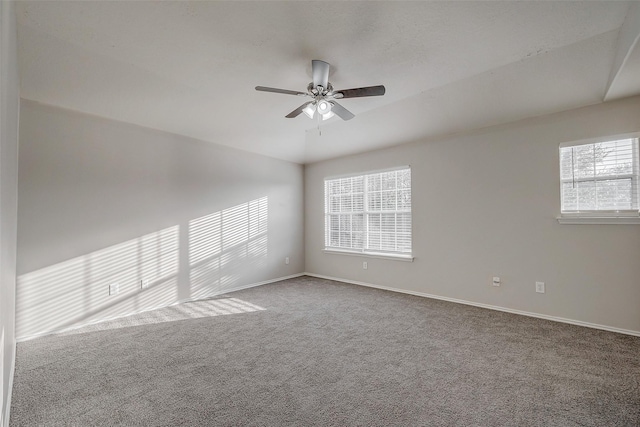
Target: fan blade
{"points": [[341, 112], [274, 90], [362, 91], [320, 73], [297, 111]]}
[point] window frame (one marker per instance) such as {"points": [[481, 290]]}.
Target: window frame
{"points": [[366, 212], [629, 216]]}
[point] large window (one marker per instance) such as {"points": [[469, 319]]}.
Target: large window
{"points": [[600, 178], [369, 213]]}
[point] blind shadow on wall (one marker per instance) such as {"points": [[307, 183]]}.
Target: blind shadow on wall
{"points": [[149, 271]]}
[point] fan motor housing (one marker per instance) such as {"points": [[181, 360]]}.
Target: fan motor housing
{"points": [[316, 91]]}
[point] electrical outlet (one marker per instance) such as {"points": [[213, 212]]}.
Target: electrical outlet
{"points": [[540, 287], [496, 281], [286, 260], [114, 289], [144, 283], [364, 265]]}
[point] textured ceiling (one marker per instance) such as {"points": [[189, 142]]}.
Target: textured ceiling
{"points": [[191, 67]]}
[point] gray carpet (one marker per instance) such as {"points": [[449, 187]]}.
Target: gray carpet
{"points": [[315, 352]]}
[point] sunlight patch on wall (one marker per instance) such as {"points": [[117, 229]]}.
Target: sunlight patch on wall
{"points": [[224, 244], [148, 272], [79, 289]]}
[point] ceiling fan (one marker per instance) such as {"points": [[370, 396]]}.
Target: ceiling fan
{"points": [[323, 97]]}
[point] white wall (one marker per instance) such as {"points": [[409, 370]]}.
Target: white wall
{"points": [[9, 110], [103, 202], [485, 204]]}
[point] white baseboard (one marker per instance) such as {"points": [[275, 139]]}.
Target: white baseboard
{"points": [[481, 305], [239, 288], [106, 319], [7, 409]]}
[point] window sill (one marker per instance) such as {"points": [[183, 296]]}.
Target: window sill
{"points": [[599, 220], [395, 257]]}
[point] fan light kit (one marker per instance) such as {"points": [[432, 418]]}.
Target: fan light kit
{"points": [[323, 108], [323, 96]]}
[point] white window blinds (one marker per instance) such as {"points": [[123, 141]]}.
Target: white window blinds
{"points": [[369, 213], [600, 177]]}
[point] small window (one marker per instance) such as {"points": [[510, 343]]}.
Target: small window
{"points": [[600, 179], [369, 213]]}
